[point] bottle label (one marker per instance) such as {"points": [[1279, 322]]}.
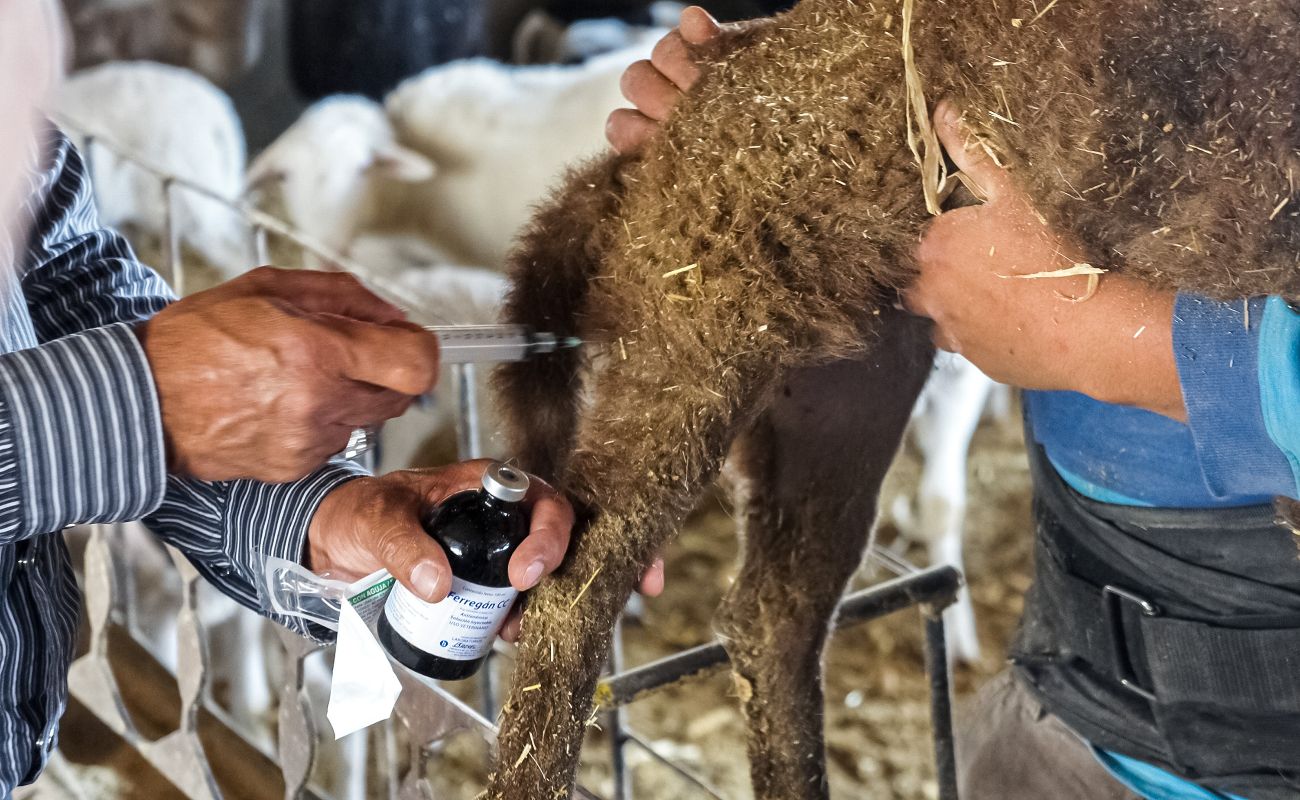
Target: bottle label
{"points": [[461, 628]]}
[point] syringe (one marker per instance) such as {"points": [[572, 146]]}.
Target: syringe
{"points": [[474, 344]]}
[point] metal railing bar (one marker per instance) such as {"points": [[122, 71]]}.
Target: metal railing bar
{"points": [[143, 660], [892, 561], [618, 733], [469, 439], [172, 238], [939, 672], [937, 585], [488, 691], [699, 782], [630, 686], [261, 250], [392, 781], [88, 142]]}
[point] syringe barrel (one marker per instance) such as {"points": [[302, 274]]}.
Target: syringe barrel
{"points": [[471, 344]]}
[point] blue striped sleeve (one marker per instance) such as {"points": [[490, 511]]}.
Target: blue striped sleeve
{"points": [[227, 530], [81, 437], [80, 434], [1220, 361], [77, 275]]}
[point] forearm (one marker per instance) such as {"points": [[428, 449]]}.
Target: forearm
{"points": [[80, 434], [1117, 347], [81, 441]]}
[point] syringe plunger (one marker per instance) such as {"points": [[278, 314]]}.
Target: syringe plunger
{"points": [[472, 344]]}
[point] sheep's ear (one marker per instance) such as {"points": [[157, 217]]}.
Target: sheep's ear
{"points": [[402, 164], [259, 178]]}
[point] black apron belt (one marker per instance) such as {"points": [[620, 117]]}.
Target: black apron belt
{"points": [[1129, 637], [1170, 635]]}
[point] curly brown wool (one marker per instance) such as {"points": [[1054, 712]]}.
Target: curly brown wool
{"points": [[741, 273]]}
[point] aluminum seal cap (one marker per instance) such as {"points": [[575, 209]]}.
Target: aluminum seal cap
{"points": [[505, 482]]}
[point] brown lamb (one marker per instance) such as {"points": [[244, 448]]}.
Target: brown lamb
{"points": [[742, 273]]}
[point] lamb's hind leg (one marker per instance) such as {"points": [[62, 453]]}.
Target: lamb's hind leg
{"points": [[810, 471], [643, 471]]}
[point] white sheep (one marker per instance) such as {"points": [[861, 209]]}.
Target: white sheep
{"points": [[461, 156], [177, 122], [501, 137], [338, 171]]}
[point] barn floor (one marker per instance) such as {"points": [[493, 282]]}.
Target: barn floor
{"points": [[877, 701]]}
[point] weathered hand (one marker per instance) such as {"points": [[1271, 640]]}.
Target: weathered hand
{"points": [[372, 523], [655, 86], [1037, 333], [266, 376]]}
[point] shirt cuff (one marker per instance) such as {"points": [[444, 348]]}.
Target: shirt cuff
{"points": [[271, 519], [81, 436], [1216, 347]]}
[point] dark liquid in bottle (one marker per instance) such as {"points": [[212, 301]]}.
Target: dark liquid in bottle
{"points": [[479, 534]]}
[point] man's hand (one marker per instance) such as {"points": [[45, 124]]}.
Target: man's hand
{"points": [[369, 523], [266, 376], [1036, 333], [655, 86]]}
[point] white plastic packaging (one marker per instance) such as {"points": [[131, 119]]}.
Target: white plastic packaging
{"points": [[364, 689]]}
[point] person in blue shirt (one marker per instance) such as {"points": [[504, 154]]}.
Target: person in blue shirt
{"points": [[1159, 654]]}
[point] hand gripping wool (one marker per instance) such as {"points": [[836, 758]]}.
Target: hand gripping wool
{"points": [[742, 271]]}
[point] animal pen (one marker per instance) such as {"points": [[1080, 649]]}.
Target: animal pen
{"points": [[426, 715]]}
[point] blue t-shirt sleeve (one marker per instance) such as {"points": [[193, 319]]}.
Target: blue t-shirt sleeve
{"points": [[1239, 366], [1279, 381]]}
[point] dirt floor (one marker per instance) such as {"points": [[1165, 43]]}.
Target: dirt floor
{"points": [[877, 704], [877, 701]]}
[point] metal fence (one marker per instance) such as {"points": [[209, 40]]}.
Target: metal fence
{"points": [[426, 716]]}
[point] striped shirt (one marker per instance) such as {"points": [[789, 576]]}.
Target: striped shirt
{"points": [[81, 441]]}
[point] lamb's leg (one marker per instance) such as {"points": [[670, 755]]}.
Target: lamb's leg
{"points": [[643, 489], [810, 471]]}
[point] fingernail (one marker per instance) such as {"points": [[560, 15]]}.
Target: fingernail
{"points": [[533, 574], [949, 113], [426, 577]]}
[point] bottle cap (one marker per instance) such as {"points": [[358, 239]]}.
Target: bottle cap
{"points": [[505, 482]]}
